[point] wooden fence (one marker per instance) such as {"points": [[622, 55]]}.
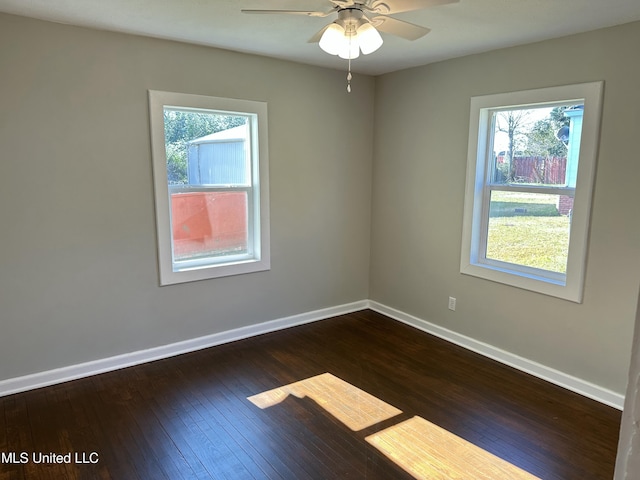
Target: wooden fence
{"points": [[547, 170]]}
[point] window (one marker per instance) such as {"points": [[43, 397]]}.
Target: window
{"points": [[530, 174], [211, 185]]}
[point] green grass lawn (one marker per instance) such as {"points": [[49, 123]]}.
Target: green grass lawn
{"points": [[526, 229]]}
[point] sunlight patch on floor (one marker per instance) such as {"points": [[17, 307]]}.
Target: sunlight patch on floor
{"points": [[354, 407], [427, 451], [419, 447]]}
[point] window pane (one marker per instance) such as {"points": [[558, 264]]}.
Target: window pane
{"points": [[529, 229], [532, 145], [206, 224], [206, 148]]}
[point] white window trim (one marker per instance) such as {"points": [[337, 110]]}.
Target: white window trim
{"points": [[571, 287], [260, 258]]}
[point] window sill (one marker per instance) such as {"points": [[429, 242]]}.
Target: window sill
{"points": [[204, 272], [526, 281]]}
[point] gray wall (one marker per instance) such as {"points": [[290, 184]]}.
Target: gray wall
{"points": [[420, 155], [78, 272]]}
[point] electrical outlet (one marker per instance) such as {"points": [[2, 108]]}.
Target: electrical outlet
{"points": [[452, 303]]}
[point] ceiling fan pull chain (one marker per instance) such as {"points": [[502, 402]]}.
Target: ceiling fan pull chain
{"points": [[349, 78]]}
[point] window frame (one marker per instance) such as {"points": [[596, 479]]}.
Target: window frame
{"points": [[567, 286], [258, 256]]}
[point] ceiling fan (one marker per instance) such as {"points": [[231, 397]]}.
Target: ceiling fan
{"points": [[358, 24]]}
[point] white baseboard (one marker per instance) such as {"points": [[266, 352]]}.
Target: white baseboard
{"points": [[73, 372], [551, 375]]}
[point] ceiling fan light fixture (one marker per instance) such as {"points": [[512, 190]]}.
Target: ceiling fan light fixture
{"points": [[353, 31], [350, 48], [369, 38], [333, 39]]}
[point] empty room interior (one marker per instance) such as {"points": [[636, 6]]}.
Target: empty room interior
{"points": [[118, 362]]}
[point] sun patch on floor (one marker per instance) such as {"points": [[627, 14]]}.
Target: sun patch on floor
{"points": [[421, 448], [354, 407], [427, 451]]}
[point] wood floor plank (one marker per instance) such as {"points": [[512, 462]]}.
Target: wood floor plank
{"points": [[190, 417]]}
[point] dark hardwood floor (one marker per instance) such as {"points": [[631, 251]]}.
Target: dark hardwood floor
{"points": [[189, 417]]}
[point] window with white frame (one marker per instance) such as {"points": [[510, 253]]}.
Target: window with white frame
{"points": [[210, 168], [530, 175]]}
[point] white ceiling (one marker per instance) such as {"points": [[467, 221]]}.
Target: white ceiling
{"points": [[457, 29]]}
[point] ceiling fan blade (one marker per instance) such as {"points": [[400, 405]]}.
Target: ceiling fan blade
{"points": [[291, 12], [400, 28], [344, 3], [387, 7]]}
